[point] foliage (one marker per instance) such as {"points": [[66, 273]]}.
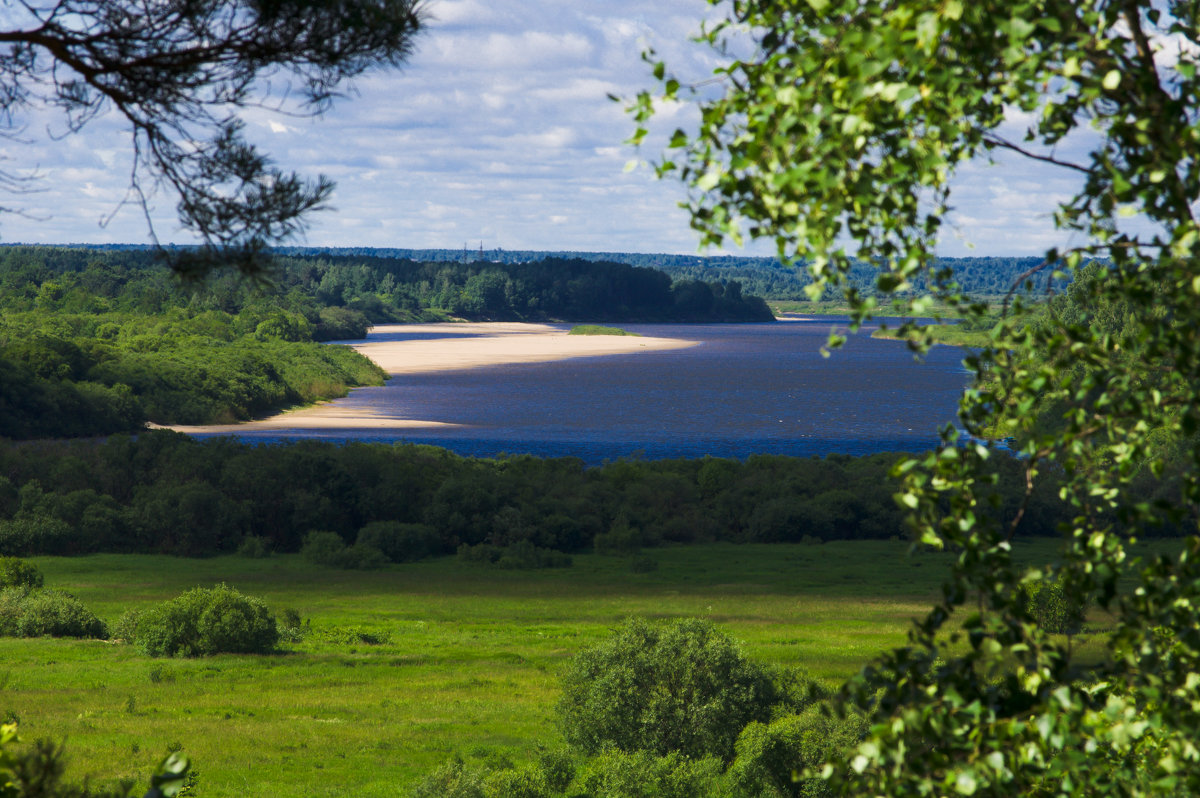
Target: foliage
{"points": [[26, 612], [846, 121], [255, 547], [772, 758], [328, 549], [642, 774], [1054, 610], [684, 688], [15, 572], [400, 542], [204, 621], [179, 74], [169, 493], [37, 772]]}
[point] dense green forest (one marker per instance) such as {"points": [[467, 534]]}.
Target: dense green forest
{"points": [[766, 277], [165, 492], [94, 341]]}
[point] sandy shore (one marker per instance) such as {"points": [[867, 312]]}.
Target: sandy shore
{"points": [[473, 345]]}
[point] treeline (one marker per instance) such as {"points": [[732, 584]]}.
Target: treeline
{"points": [[169, 493], [94, 341], [550, 289], [382, 289], [766, 277]]}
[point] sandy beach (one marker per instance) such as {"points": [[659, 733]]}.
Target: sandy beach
{"points": [[473, 345]]}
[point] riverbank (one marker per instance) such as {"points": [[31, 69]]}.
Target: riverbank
{"points": [[403, 349]]}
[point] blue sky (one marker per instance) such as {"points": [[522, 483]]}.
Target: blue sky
{"points": [[498, 131]]}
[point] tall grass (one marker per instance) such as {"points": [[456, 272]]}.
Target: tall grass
{"points": [[401, 668]]}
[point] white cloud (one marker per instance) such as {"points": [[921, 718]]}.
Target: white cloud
{"points": [[500, 128]]}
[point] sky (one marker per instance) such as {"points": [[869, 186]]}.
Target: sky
{"points": [[497, 133]]}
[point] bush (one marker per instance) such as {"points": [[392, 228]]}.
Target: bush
{"points": [[400, 542], [38, 535], [769, 756], [255, 547], [640, 774], [684, 687], [126, 626], [328, 549], [33, 613], [208, 621], [15, 572]]}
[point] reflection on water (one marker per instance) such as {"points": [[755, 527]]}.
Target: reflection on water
{"points": [[758, 388]]}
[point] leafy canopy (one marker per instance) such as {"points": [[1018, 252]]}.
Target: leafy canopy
{"points": [[847, 122], [179, 72]]}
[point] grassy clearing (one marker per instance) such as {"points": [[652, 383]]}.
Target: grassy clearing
{"points": [[599, 329], [470, 658]]}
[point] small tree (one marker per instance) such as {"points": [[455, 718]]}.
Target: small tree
{"points": [[684, 688], [206, 621]]}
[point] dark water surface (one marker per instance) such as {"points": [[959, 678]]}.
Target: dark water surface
{"points": [[746, 389]]}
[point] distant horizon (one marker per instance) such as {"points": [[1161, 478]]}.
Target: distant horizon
{"points": [[283, 248]]}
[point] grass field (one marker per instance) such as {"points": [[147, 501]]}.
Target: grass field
{"points": [[469, 661]]}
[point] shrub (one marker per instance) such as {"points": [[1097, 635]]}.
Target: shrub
{"points": [[452, 780], [15, 572], [322, 548], [33, 613], [126, 626], [255, 547], [328, 549], [684, 687], [768, 756], [38, 535], [208, 621], [400, 542], [640, 774]]}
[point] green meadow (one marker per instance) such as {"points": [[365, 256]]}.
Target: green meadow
{"points": [[404, 667]]}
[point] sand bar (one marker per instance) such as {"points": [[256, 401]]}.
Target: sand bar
{"points": [[467, 345]]}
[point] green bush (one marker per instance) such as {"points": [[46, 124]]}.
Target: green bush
{"points": [[255, 547], [15, 572], [400, 542], [206, 621], [641, 774], [125, 629], [770, 756], [452, 780], [34, 613], [328, 549], [684, 687], [38, 535]]}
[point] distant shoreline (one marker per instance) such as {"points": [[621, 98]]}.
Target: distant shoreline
{"points": [[473, 345]]}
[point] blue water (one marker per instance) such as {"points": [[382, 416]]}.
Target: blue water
{"points": [[746, 389]]}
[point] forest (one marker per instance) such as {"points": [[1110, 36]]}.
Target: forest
{"points": [[982, 277], [167, 493], [94, 341]]}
